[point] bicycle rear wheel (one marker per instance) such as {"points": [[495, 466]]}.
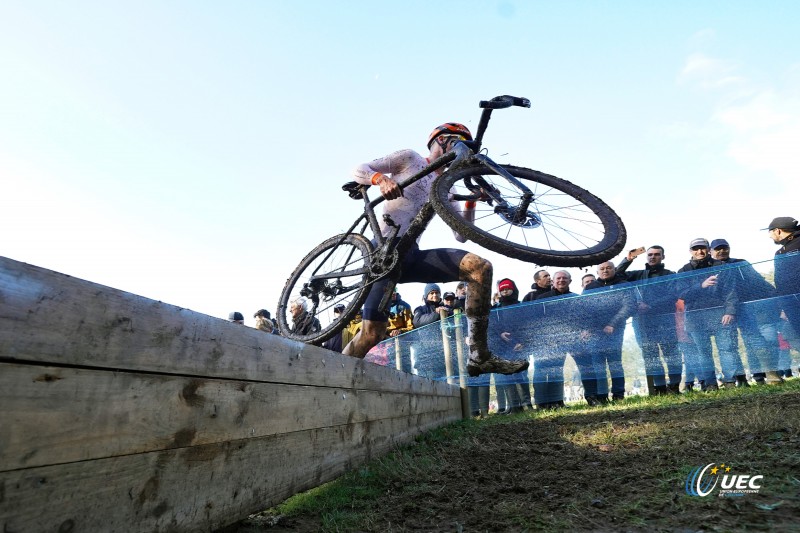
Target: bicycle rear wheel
{"points": [[564, 225], [334, 273]]}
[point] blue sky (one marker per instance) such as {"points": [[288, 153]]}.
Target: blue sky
{"points": [[193, 152]]}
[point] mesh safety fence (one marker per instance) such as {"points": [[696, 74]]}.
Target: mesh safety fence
{"points": [[715, 326]]}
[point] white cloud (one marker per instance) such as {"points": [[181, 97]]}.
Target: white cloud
{"points": [[709, 73], [765, 134]]}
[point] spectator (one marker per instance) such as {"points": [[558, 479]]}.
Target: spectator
{"points": [[606, 326], [541, 284], [264, 321], [400, 317], [758, 317], [513, 392], [786, 232], [352, 328], [302, 322], [559, 336], [461, 295], [690, 356], [401, 320], [654, 320], [334, 344], [711, 306], [428, 312], [586, 279], [236, 317], [449, 300]]}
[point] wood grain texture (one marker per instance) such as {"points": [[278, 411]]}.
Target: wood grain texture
{"points": [[199, 488], [120, 413], [52, 318], [60, 415]]}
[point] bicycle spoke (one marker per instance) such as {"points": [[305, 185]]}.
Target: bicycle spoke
{"points": [[560, 222]]}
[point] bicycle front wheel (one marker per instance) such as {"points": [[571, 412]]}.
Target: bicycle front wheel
{"points": [[562, 225], [333, 274]]}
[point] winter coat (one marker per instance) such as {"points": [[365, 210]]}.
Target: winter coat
{"points": [[787, 265], [722, 295], [611, 309]]}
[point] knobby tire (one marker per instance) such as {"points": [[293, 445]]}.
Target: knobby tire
{"points": [[610, 239]]}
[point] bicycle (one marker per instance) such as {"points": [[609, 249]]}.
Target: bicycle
{"points": [[521, 213]]}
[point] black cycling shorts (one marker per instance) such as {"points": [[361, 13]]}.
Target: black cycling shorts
{"points": [[439, 265]]}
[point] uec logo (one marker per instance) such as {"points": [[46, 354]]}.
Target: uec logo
{"points": [[701, 482]]}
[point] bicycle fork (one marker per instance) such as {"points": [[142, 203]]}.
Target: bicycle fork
{"points": [[517, 215]]}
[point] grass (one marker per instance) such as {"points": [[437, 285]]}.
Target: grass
{"points": [[618, 467]]}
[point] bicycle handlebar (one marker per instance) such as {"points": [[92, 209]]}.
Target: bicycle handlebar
{"points": [[498, 102], [501, 102]]}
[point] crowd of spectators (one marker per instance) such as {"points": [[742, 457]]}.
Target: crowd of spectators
{"points": [[677, 317]]}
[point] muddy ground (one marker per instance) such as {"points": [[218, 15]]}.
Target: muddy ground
{"points": [[619, 468]]}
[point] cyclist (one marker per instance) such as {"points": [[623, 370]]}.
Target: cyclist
{"points": [[425, 266]]}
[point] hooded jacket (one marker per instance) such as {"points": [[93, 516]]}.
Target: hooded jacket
{"points": [[400, 317]]}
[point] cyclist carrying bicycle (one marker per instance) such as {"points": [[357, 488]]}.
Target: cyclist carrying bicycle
{"points": [[425, 266]]}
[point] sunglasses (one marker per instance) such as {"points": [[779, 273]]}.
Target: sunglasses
{"points": [[695, 248]]}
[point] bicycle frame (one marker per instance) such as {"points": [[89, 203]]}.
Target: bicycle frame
{"points": [[388, 248]]}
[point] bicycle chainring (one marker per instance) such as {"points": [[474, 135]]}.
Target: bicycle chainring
{"points": [[383, 264]]}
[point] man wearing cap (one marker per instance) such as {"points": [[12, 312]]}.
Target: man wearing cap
{"points": [[711, 304], [236, 317], [786, 232], [654, 320], [757, 318], [449, 299]]}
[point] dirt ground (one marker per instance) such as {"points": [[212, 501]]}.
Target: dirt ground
{"points": [[621, 468]]}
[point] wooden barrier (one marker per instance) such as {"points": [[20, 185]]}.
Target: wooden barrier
{"points": [[120, 413]]}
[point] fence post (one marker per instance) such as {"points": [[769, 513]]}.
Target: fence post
{"points": [[462, 366], [398, 357], [448, 360]]}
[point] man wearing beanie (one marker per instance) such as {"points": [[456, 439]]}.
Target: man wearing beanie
{"points": [[428, 312]]}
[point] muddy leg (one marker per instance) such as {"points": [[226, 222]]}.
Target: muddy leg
{"points": [[371, 333], [477, 272]]}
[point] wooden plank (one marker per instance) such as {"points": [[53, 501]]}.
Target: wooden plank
{"points": [[53, 415], [53, 318], [199, 488]]}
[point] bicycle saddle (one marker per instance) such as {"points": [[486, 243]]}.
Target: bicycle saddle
{"points": [[354, 189]]}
